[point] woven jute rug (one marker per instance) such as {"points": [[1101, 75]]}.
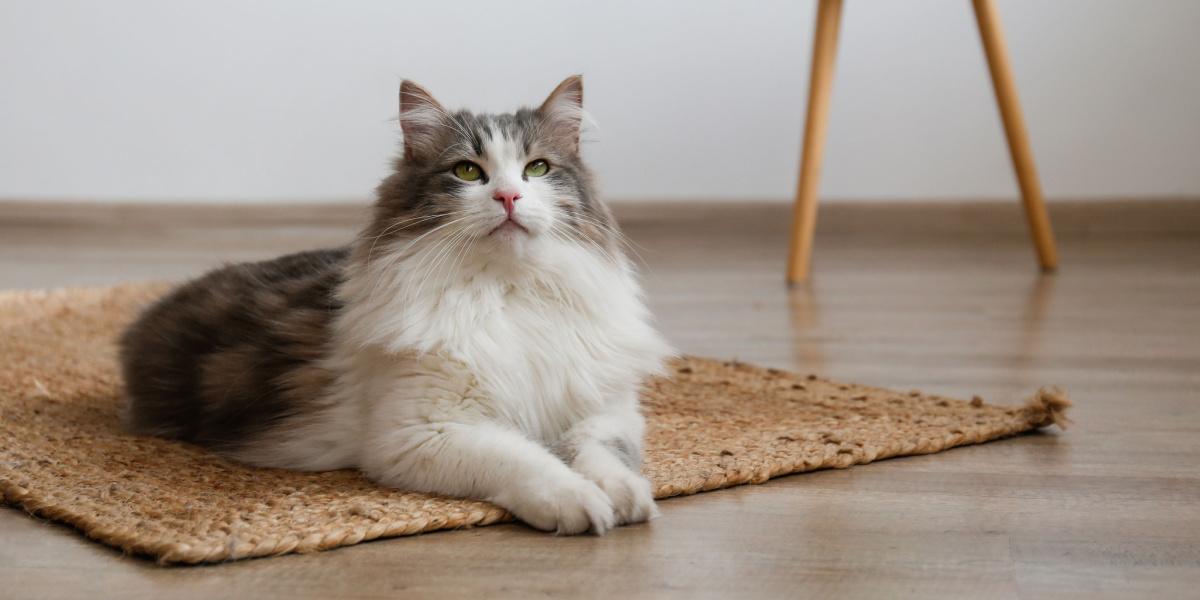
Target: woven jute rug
{"points": [[64, 456]]}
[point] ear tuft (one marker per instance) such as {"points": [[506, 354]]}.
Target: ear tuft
{"points": [[421, 118], [562, 111]]}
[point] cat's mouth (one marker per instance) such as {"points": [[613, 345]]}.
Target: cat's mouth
{"points": [[509, 224]]}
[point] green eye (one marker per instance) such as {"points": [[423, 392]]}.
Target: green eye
{"points": [[537, 168], [468, 171]]}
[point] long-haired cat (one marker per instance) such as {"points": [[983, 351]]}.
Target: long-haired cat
{"points": [[483, 337]]}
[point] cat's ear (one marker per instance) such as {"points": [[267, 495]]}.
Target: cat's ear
{"points": [[562, 112], [421, 119]]}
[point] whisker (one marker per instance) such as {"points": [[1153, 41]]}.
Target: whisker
{"points": [[620, 236], [440, 251], [403, 253], [404, 223], [566, 236]]}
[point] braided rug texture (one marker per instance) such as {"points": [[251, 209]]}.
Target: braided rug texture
{"points": [[64, 456]]}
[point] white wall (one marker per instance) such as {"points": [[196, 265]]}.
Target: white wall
{"points": [[281, 99]]}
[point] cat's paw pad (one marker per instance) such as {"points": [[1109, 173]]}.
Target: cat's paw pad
{"points": [[631, 496], [566, 507]]}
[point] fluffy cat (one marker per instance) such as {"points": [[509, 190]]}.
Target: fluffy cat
{"points": [[483, 337]]}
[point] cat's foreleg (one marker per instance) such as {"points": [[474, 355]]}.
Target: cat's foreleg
{"points": [[607, 449], [493, 463]]}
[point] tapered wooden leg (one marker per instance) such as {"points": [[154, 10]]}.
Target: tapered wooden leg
{"points": [[1014, 129], [804, 218]]}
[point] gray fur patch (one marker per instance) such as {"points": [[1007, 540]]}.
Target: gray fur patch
{"points": [[628, 453]]}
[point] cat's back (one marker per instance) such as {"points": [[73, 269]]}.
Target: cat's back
{"points": [[222, 357]]}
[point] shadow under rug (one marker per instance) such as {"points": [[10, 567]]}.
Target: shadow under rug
{"points": [[713, 424]]}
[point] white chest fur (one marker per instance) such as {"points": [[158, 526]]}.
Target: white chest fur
{"points": [[543, 345]]}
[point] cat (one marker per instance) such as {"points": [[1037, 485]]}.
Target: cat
{"points": [[485, 336]]}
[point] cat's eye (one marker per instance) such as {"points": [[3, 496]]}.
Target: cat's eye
{"points": [[467, 171], [537, 168]]}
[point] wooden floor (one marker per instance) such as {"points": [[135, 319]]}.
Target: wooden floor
{"points": [[1110, 508]]}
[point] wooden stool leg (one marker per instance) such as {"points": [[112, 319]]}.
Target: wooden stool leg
{"points": [[804, 218], [1014, 129]]}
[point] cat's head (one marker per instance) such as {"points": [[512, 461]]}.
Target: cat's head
{"points": [[506, 184]]}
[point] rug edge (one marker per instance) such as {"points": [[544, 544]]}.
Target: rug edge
{"points": [[175, 553], [1048, 406]]}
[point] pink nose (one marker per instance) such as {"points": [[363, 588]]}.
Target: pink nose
{"points": [[509, 198]]}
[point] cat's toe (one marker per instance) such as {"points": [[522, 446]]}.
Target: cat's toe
{"points": [[586, 508], [631, 496], [567, 508]]}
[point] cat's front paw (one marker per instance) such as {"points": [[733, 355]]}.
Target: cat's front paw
{"points": [[631, 496], [568, 506]]}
